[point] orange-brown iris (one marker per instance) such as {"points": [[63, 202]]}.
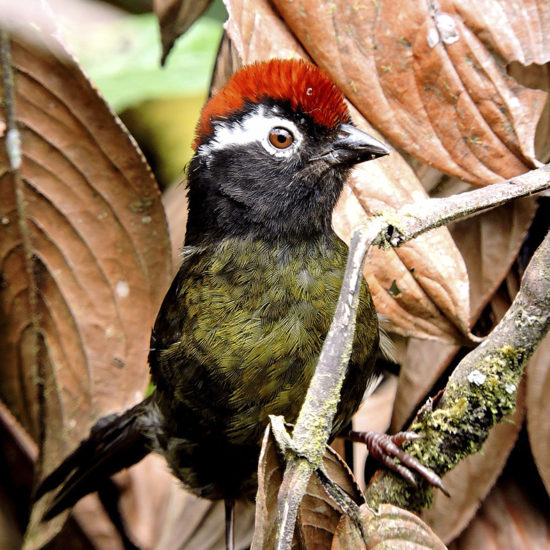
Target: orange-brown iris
{"points": [[280, 138]]}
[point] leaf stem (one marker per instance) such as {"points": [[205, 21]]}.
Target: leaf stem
{"points": [[14, 153]]}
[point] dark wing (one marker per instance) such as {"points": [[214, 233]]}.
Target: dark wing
{"points": [[115, 442], [171, 316]]}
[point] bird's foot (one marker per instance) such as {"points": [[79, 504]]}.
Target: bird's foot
{"points": [[385, 447]]}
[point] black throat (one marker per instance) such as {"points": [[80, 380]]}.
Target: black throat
{"points": [[242, 194]]}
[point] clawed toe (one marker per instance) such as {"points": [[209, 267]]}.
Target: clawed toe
{"points": [[385, 448]]}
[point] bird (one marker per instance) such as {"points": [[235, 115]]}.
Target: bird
{"points": [[240, 330]]}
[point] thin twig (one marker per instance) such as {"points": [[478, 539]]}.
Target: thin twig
{"points": [[423, 216], [13, 147]]}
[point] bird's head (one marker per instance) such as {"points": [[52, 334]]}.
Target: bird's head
{"points": [[273, 150]]}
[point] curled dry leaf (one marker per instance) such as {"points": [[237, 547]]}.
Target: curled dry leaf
{"points": [[175, 204], [536, 76], [257, 32], [84, 255], [347, 536], [422, 287], [175, 17], [318, 516], [472, 479], [538, 409], [390, 527], [424, 75], [227, 62], [270, 476], [398, 529], [508, 520]]}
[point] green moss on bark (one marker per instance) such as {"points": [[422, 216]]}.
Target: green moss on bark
{"points": [[459, 426]]}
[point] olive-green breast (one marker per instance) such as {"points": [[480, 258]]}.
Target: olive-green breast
{"points": [[240, 335]]}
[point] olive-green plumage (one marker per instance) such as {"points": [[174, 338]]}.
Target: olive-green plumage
{"points": [[256, 315], [240, 330]]}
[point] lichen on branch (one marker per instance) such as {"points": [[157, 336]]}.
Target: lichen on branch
{"points": [[480, 393]]}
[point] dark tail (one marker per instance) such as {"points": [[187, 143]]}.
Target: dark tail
{"points": [[115, 442]]}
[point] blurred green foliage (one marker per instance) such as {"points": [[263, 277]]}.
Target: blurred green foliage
{"points": [[159, 105], [122, 57]]}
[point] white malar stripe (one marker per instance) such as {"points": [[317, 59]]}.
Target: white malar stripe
{"points": [[254, 127]]}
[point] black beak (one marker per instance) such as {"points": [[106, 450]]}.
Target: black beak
{"points": [[352, 146]]}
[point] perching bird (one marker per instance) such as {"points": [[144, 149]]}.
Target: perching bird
{"points": [[240, 330]]}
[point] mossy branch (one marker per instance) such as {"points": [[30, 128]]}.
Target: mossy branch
{"points": [[491, 400], [481, 391]]}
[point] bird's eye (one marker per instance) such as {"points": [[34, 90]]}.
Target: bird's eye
{"points": [[281, 138]]}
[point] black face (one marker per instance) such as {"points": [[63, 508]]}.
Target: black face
{"points": [[269, 172]]}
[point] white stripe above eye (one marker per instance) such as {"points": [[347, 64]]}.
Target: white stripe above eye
{"points": [[252, 128]]}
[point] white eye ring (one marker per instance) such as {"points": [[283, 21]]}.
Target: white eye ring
{"points": [[255, 127]]}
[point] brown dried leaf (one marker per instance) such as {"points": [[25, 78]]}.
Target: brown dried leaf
{"points": [[347, 536], [318, 516], [398, 529], [192, 523], [98, 232], [175, 17], [175, 205], [95, 238], [391, 527], [473, 478], [519, 32], [227, 62], [489, 243], [538, 77], [424, 363], [508, 520], [425, 76], [422, 287], [258, 33], [538, 409], [270, 477]]}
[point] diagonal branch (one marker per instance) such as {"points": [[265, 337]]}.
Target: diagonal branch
{"points": [[480, 392], [313, 426]]}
